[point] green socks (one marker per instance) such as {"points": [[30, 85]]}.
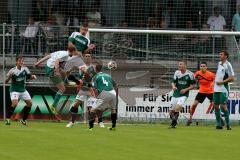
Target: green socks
{"points": [[218, 117], [57, 98]]}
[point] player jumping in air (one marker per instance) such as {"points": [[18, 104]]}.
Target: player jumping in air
{"points": [[53, 70], [79, 41], [205, 79], [86, 73], [18, 76], [224, 75], [183, 82]]}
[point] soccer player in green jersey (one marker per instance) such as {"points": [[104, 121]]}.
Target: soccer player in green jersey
{"points": [[86, 72], [183, 82], [106, 89], [53, 70], [224, 75], [18, 76], [79, 40]]}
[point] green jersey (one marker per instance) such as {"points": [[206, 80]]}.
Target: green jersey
{"points": [[103, 81], [19, 78], [182, 81], [87, 77], [81, 42]]}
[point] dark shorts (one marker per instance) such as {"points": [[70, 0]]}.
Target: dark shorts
{"points": [[200, 97], [220, 98]]}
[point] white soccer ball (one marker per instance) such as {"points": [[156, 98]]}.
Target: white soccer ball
{"points": [[112, 65]]}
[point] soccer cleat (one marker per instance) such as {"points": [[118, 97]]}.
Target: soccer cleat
{"points": [[189, 122], [70, 83], [219, 127], [111, 128], [172, 127], [70, 124], [90, 129], [101, 125], [23, 122], [229, 127], [7, 122], [53, 109]]}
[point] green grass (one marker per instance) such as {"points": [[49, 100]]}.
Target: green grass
{"points": [[52, 141]]}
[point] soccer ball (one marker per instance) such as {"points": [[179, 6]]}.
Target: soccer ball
{"points": [[112, 65]]}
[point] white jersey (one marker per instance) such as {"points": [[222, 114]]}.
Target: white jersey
{"points": [[223, 72], [62, 55]]}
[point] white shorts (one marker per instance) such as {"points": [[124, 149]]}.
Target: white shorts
{"points": [[177, 101], [105, 100], [20, 95], [83, 95]]}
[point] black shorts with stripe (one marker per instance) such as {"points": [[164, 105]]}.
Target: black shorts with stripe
{"points": [[200, 97]]}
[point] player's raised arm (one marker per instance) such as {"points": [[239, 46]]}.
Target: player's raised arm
{"points": [[42, 60], [89, 49]]}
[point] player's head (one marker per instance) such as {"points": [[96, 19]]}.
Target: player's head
{"points": [[84, 28], [223, 55], [71, 50], [203, 66], [88, 58], [98, 68], [19, 61], [182, 65]]}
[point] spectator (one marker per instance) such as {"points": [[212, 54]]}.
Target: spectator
{"points": [[29, 35], [94, 16], [169, 16], [152, 23], [163, 24], [204, 38], [39, 10], [31, 30], [123, 24], [217, 22], [236, 22], [204, 42]]}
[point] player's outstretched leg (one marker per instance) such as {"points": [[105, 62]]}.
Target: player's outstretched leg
{"points": [[174, 116], [9, 114], [218, 118], [91, 120], [26, 111], [226, 116], [114, 121], [74, 111]]}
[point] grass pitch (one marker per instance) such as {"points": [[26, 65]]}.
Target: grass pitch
{"points": [[52, 141]]}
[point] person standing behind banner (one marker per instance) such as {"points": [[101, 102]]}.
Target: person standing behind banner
{"points": [[205, 79], [224, 75]]}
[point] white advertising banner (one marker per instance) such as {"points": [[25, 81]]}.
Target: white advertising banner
{"points": [[150, 105]]}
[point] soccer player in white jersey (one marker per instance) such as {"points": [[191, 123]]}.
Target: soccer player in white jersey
{"points": [[183, 82], [18, 76], [224, 75], [86, 73], [53, 71]]}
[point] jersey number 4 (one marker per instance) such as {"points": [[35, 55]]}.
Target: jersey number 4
{"points": [[104, 81]]}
